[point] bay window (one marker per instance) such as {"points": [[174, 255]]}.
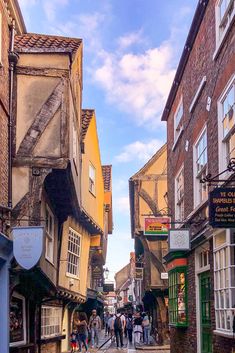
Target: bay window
{"points": [[178, 297], [224, 279], [74, 246]]}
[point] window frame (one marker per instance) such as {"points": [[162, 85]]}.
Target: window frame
{"points": [[22, 298], [174, 297], [50, 318], [220, 36], [179, 213], [50, 238], [223, 140], [73, 254], [198, 175], [92, 182], [223, 289], [178, 128]]}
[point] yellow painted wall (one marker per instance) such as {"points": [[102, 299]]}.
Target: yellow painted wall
{"points": [[156, 190], [42, 60], [79, 283], [93, 204]]}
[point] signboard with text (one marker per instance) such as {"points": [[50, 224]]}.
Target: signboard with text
{"points": [[139, 272], [179, 239], [222, 208], [157, 226], [27, 245]]}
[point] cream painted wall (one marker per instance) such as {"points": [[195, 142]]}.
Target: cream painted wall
{"points": [[32, 92], [79, 283], [41, 60], [93, 204], [20, 183]]}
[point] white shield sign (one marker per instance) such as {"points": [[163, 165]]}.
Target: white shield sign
{"points": [[27, 245]]}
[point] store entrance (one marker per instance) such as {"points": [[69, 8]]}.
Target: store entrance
{"points": [[205, 312]]}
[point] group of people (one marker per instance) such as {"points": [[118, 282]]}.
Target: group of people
{"points": [[136, 327], [81, 330]]}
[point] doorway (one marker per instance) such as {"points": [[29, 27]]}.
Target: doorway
{"points": [[205, 312]]}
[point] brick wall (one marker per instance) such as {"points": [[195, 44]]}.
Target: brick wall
{"points": [[218, 72], [4, 103]]}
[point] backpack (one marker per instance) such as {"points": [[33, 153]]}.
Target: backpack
{"points": [[118, 323], [129, 323]]}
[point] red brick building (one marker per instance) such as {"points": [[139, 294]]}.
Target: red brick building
{"points": [[200, 137]]}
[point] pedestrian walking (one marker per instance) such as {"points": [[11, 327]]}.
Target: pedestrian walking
{"points": [[146, 326], [119, 327], [106, 320], [129, 327], [138, 331], [82, 331], [111, 326], [95, 327]]}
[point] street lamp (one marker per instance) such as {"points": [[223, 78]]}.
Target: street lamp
{"points": [[106, 273]]}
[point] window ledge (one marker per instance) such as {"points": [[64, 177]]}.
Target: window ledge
{"points": [[220, 44], [70, 275], [226, 334], [46, 340], [177, 140]]}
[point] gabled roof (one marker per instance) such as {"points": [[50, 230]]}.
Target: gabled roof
{"points": [[107, 176], [150, 161], [33, 42], [87, 115]]}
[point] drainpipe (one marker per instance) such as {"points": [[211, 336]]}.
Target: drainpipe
{"points": [[13, 58]]}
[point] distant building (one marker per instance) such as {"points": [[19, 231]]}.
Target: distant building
{"points": [[148, 192]]}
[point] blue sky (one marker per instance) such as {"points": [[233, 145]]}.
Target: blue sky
{"points": [[131, 51]]}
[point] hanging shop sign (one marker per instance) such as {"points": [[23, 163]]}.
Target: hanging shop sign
{"points": [[27, 245], [139, 273], [222, 208], [108, 287], [157, 226], [179, 239]]}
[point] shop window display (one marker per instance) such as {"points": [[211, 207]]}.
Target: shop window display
{"points": [[178, 297]]}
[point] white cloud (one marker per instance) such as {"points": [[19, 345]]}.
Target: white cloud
{"points": [[137, 83], [139, 151], [121, 204], [130, 39], [51, 6]]}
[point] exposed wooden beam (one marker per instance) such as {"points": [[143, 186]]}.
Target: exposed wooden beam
{"points": [[48, 72], [41, 162]]}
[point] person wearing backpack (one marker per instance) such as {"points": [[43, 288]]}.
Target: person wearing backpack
{"points": [[129, 327], [119, 326]]}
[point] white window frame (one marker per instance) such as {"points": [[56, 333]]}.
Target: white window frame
{"points": [[92, 179], [203, 172], [50, 237], [179, 203], [51, 324], [19, 296], [229, 17], [223, 282], [178, 127], [222, 140], [74, 254]]}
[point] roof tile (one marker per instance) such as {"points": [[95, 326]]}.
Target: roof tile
{"points": [[87, 115], [107, 176], [41, 42]]}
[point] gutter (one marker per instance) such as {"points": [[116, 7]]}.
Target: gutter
{"points": [[196, 23]]}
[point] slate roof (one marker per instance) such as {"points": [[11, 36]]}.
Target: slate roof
{"points": [[87, 115], [33, 42], [107, 176]]}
